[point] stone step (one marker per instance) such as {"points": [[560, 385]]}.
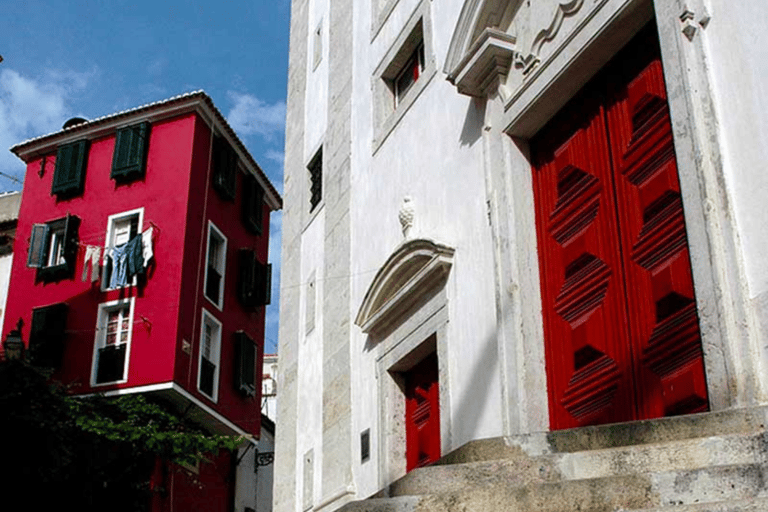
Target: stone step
{"points": [[735, 421], [682, 455], [744, 505], [717, 484], [604, 495]]}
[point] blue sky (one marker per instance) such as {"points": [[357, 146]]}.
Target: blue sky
{"points": [[85, 58]]}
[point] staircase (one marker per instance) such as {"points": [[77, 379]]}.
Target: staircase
{"points": [[711, 462]]}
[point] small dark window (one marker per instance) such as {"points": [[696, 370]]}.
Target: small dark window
{"points": [[245, 364], [315, 168], [224, 169], [46, 337], [254, 280], [365, 445], [53, 248], [113, 332], [111, 364], [129, 160], [69, 174], [253, 204], [408, 75], [207, 374]]}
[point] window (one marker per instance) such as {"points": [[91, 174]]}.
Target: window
{"points": [[365, 445], [403, 73], [245, 364], [46, 336], [253, 204], [254, 280], [53, 248], [215, 266], [69, 174], [113, 335], [129, 159], [315, 168], [224, 169], [121, 228], [208, 365], [413, 68]]}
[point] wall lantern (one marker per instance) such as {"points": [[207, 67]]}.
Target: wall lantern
{"points": [[14, 345]]}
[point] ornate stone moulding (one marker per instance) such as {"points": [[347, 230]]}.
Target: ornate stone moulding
{"points": [[415, 268], [486, 63]]}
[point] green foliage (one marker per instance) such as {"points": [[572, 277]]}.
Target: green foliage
{"points": [[147, 426], [96, 452]]}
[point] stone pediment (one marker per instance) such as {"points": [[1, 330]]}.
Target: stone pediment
{"points": [[414, 268]]}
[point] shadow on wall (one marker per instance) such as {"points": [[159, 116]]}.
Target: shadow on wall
{"points": [[473, 122]]}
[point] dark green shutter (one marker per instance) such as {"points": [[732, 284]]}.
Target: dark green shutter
{"points": [[129, 160], [46, 337], [36, 256], [67, 228], [224, 169], [245, 364], [246, 278], [69, 174], [263, 283], [71, 228], [253, 201]]}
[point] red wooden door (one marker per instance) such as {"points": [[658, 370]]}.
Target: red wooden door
{"points": [[622, 340], [422, 414]]}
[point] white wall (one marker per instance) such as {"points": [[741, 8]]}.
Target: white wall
{"points": [[5, 277], [737, 41], [435, 155]]}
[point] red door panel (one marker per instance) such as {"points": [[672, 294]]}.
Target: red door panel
{"points": [[620, 324], [422, 414], [582, 287], [665, 327]]}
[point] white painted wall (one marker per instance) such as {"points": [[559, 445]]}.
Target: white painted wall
{"points": [[310, 367], [5, 277], [316, 112], [269, 387], [265, 474], [737, 41], [435, 155]]}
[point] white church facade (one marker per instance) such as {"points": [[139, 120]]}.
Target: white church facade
{"points": [[510, 217]]}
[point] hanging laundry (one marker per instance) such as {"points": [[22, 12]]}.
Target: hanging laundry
{"points": [[146, 243], [119, 257], [135, 256], [92, 259]]}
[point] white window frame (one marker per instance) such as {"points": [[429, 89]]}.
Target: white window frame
{"points": [[100, 340], [208, 318], [213, 230], [109, 241]]}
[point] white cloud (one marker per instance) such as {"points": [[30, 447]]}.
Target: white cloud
{"points": [[30, 107], [252, 116], [275, 156]]}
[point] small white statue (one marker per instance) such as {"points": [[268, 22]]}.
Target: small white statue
{"points": [[406, 215]]}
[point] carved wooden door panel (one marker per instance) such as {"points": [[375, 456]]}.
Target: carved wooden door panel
{"points": [[422, 414], [621, 331], [666, 341]]}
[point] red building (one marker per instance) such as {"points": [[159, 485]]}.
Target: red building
{"points": [[142, 260]]}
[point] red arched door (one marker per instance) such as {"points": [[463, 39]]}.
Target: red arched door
{"points": [[621, 329]]}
